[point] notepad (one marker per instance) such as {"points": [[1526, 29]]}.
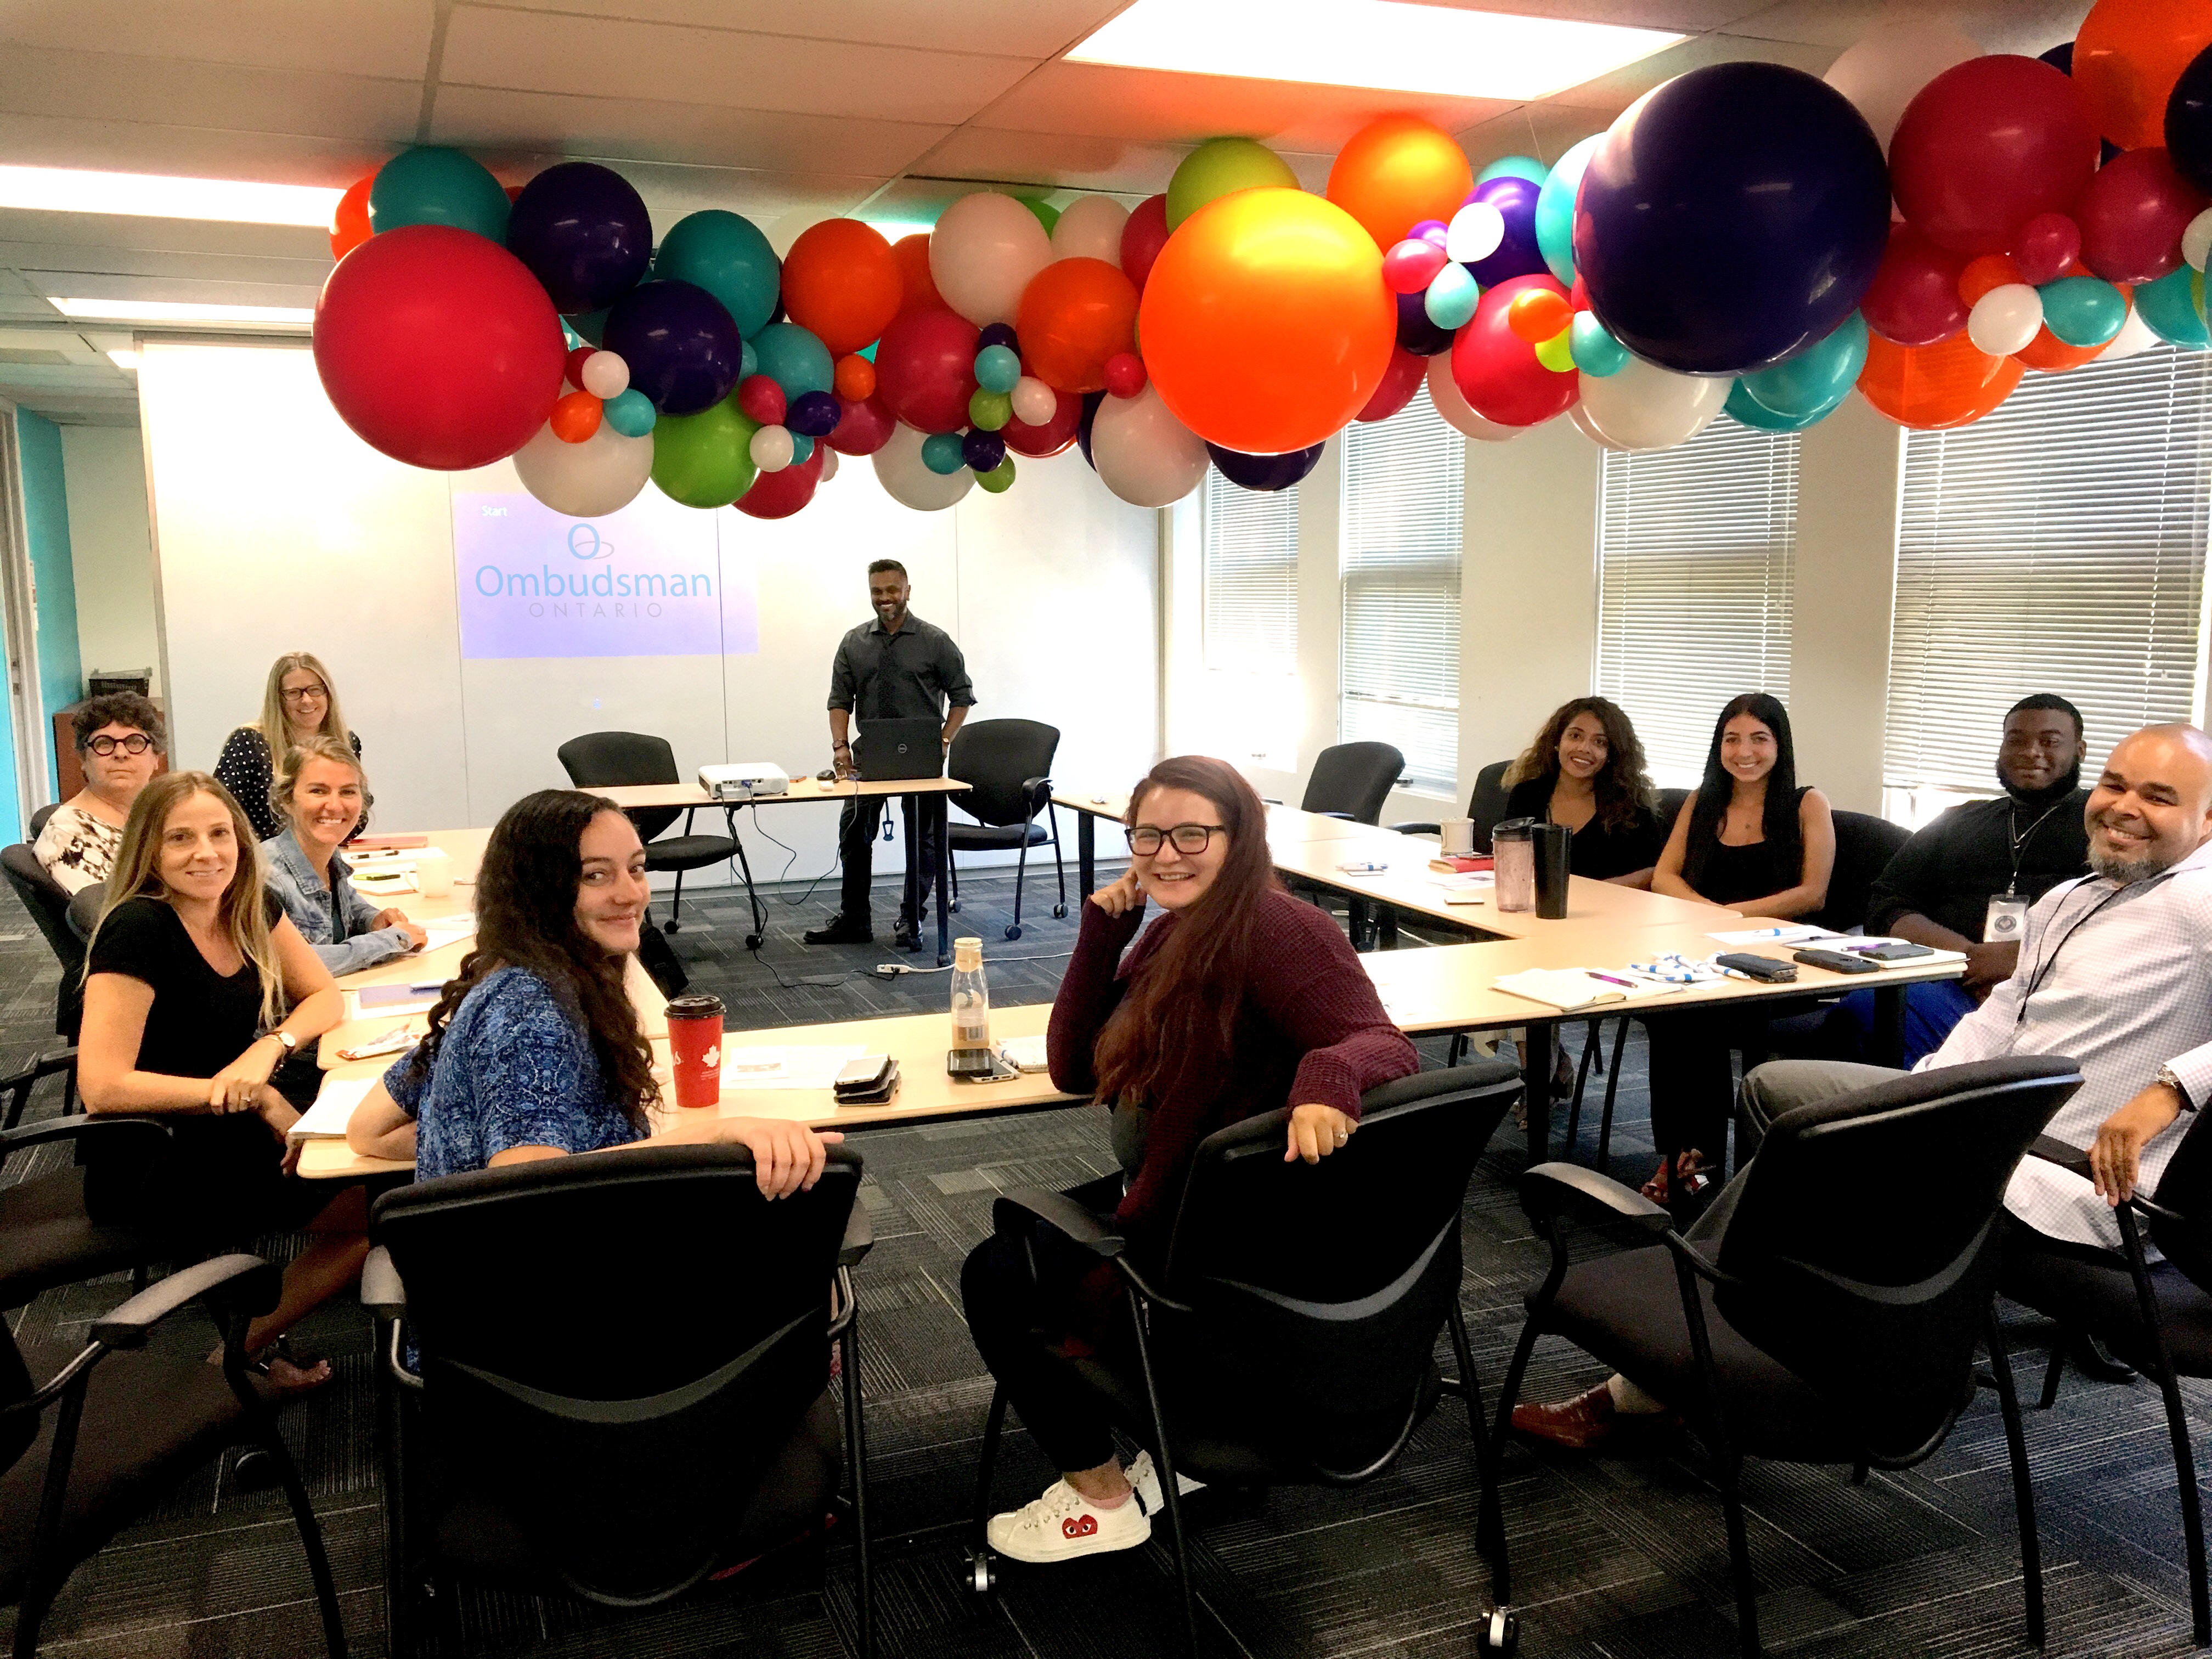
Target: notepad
{"points": [[800, 1066], [1570, 989], [1025, 1054], [328, 1118]]}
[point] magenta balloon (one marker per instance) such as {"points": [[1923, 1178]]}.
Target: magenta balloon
{"points": [[926, 369], [865, 427]]}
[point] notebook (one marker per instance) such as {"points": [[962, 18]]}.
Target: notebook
{"points": [[1572, 989]]}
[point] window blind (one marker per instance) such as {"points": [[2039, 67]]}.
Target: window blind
{"points": [[2057, 544], [1251, 579], [1696, 550], [1405, 480]]}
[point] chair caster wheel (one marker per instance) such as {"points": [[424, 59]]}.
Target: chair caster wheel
{"points": [[1013, 932], [255, 1470], [982, 1578], [953, 905], [1502, 1634], [753, 941], [1059, 913], [668, 926]]}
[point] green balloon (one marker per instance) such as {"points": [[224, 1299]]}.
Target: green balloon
{"points": [[727, 255], [704, 460], [2083, 311], [1595, 351], [2168, 311], [1000, 478], [989, 409], [431, 184], [1218, 167], [1514, 166], [1047, 214], [1748, 411]]}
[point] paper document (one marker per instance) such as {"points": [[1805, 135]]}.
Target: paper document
{"points": [[326, 1119], [448, 930], [1571, 988], [1787, 935], [797, 1066], [1025, 1054], [374, 1001]]}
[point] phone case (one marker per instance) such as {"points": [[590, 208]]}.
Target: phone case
{"points": [[1759, 968], [1836, 962]]}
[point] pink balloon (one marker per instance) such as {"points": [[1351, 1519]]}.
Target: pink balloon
{"points": [[1914, 298], [926, 369], [2046, 247], [1496, 371], [1399, 381], [865, 427], [2132, 216], [1411, 265], [1142, 239], [780, 494]]}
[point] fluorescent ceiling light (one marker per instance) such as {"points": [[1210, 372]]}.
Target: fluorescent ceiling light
{"points": [[180, 311], [126, 358], [70, 190], [1384, 44]]}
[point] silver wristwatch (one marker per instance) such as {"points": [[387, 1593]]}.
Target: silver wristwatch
{"points": [[2166, 1076], [292, 1043]]}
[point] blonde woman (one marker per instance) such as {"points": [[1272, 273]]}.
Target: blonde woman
{"points": [[197, 991], [299, 702], [320, 792]]}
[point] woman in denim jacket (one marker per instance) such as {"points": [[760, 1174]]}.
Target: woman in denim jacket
{"points": [[320, 787]]}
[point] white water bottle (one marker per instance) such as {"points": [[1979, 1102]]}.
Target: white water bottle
{"points": [[971, 997]]}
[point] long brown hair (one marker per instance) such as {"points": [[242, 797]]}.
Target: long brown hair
{"points": [[1187, 998], [241, 914], [273, 725], [526, 918], [1623, 786]]}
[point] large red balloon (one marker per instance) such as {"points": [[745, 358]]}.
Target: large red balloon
{"points": [[1986, 146], [841, 283], [1914, 298], [438, 347], [779, 494], [1075, 315], [1496, 371], [2132, 216], [1144, 234], [926, 369], [1399, 382], [865, 427], [1050, 437]]}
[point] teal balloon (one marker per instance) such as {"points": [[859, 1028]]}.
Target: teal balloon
{"points": [[2083, 311], [630, 413], [1512, 166], [590, 326], [997, 368], [1748, 410], [794, 359], [1452, 297], [802, 448], [1595, 351], [727, 255], [869, 350], [1810, 384], [431, 184], [941, 454], [748, 361], [1555, 208], [2168, 311]]}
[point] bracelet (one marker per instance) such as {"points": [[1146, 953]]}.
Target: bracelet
{"points": [[835, 747]]}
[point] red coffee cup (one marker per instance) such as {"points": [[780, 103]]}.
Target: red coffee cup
{"points": [[695, 1039]]}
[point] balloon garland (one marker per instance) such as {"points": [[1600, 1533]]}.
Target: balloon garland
{"points": [[1726, 245]]}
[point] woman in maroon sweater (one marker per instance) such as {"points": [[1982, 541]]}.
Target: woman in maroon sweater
{"points": [[1239, 1000]]}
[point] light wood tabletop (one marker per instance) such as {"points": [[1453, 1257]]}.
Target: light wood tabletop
{"points": [[802, 789]]}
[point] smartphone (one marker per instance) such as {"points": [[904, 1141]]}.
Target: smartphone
{"points": [[1836, 962], [1896, 950], [1766, 969]]}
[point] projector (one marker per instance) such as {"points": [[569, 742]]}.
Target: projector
{"points": [[745, 781]]}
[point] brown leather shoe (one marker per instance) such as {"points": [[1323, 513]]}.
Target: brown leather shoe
{"points": [[1588, 1421]]}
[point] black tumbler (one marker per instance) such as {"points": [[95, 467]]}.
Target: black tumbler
{"points": [[1553, 844]]}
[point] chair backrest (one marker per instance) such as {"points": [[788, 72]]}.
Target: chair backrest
{"points": [[1671, 808], [608, 759], [2185, 1186], [1864, 846], [1863, 1234], [612, 1347], [993, 757], [1354, 779], [39, 818], [1486, 805], [1329, 1281], [47, 902]]}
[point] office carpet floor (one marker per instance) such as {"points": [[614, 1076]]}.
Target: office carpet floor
{"points": [[1619, 1557]]}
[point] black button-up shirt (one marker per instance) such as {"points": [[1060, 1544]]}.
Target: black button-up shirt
{"points": [[907, 675]]}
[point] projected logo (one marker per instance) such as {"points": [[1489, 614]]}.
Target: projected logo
{"points": [[651, 580]]}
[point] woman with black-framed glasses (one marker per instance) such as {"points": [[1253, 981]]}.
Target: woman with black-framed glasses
{"points": [[298, 704], [120, 742]]}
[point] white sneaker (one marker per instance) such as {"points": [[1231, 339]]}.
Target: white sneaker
{"points": [[1063, 1524], [1146, 1479]]}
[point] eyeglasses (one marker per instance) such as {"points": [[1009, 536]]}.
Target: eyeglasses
{"points": [[136, 744], [307, 693], [1145, 841]]}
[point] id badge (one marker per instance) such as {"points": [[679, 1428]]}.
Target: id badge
{"points": [[2007, 920]]}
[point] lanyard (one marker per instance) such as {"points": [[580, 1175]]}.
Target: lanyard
{"points": [[2049, 958], [2020, 840]]}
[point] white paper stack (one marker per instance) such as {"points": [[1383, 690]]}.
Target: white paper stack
{"points": [[798, 1067], [326, 1119]]}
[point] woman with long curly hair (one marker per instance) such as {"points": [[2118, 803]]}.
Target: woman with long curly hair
{"points": [[1585, 770], [1239, 1000]]}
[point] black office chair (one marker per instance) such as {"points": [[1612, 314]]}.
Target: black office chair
{"points": [[1007, 765], [1485, 805], [129, 1427], [39, 816], [1264, 1352], [1864, 846], [48, 903], [589, 1421], [1794, 1324], [609, 760], [1352, 781]]}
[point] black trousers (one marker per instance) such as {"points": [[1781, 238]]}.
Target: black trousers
{"points": [[856, 844], [1693, 1082]]}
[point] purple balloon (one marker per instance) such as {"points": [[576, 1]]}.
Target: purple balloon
{"points": [[1091, 400], [584, 232], [682, 350], [1264, 471], [814, 414], [1416, 333], [998, 334], [982, 450], [1518, 255]]}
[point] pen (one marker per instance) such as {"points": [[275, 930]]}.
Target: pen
{"points": [[1610, 979]]}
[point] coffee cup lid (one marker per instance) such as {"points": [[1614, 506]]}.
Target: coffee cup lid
{"points": [[694, 1004]]}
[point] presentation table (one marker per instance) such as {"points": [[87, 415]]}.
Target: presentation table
{"points": [[1287, 826]]}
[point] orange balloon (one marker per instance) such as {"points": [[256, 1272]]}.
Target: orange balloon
{"points": [[918, 289], [841, 284], [1075, 314], [1537, 314], [1265, 324], [350, 225], [576, 417], [856, 379], [2126, 59], [1929, 387], [1989, 270], [1397, 171]]}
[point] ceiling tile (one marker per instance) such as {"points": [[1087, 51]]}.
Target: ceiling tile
{"points": [[1066, 161], [82, 85], [101, 285], [2028, 27], [1679, 16], [1035, 28], [186, 152], [1545, 132], [360, 37], [1617, 91], [113, 235]]}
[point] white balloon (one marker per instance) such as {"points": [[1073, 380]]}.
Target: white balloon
{"points": [[2005, 319], [1143, 454], [605, 374], [1580, 417], [2196, 240], [2134, 336], [1034, 403], [1090, 228], [1474, 233], [600, 475], [1444, 393], [1891, 63], [829, 462], [907, 481], [983, 253], [772, 449], [1647, 407]]}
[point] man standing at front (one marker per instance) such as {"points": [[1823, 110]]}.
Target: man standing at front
{"points": [[896, 667]]}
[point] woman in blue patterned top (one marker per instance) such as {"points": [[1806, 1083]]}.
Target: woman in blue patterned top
{"points": [[534, 1050]]}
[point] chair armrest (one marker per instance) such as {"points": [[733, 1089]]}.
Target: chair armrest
{"points": [[1065, 1216], [1550, 1190], [1035, 792], [382, 1291], [2072, 1159], [860, 1237], [251, 1283], [1435, 830], [76, 1128], [1269, 800], [1346, 817]]}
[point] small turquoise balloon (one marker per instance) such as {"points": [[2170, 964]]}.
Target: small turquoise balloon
{"points": [[1749, 411], [1555, 208], [727, 255], [1595, 351], [2083, 311], [569, 338], [630, 413], [589, 326], [794, 359], [2169, 312], [802, 447], [431, 184], [869, 350], [1513, 166], [1814, 380], [748, 361], [1452, 297], [997, 368], [941, 454]]}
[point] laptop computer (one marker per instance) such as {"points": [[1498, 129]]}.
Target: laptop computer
{"points": [[887, 751]]}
